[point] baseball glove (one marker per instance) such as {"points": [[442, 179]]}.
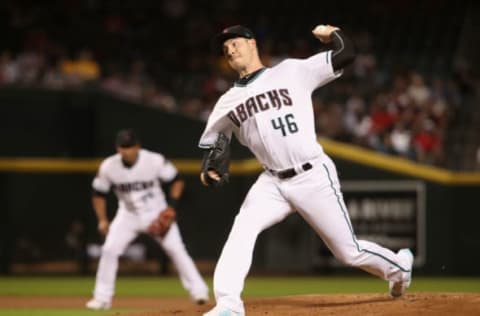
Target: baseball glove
{"points": [[217, 159], [161, 225]]}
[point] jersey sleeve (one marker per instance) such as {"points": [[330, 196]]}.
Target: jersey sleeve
{"points": [[165, 169], [101, 182], [218, 122], [317, 70]]}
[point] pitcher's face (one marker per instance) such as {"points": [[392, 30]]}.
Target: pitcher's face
{"points": [[240, 52]]}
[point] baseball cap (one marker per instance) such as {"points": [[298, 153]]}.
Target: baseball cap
{"points": [[232, 32], [126, 138]]}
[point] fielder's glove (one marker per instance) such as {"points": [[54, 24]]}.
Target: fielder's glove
{"points": [[216, 162], [161, 225]]}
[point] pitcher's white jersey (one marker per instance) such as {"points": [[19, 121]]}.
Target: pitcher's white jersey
{"points": [[272, 114], [137, 187]]}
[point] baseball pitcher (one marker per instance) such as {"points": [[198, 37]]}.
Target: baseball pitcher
{"points": [[136, 176], [270, 111]]}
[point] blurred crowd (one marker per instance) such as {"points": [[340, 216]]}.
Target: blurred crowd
{"points": [[407, 116], [162, 57]]}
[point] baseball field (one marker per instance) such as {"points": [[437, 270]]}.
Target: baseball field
{"points": [[155, 296]]}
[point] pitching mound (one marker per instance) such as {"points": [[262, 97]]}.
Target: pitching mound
{"points": [[424, 304]]}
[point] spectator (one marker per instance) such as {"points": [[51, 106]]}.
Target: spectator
{"points": [[114, 82], [159, 98], [85, 67], [354, 117], [30, 67], [401, 140], [417, 90], [9, 72], [428, 144], [54, 78]]}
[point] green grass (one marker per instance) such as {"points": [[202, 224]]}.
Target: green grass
{"points": [[335, 285], [170, 286], [255, 286], [79, 286]]}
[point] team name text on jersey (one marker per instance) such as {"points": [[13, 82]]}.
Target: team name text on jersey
{"points": [[133, 186], [273, 99]]}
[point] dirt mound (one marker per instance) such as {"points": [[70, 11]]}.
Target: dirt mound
{"points": [[424, 304]]}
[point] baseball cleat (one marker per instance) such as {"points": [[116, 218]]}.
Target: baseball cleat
{"points": [[200, 299], [222, 311], [98, 305], [397, 289]]}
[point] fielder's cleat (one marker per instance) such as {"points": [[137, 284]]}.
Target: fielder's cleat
{"points": [[200, 299], [98, 305], [222, 311], [397, 289]]}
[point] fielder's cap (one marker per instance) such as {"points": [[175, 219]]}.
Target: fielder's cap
{"points": [[126, 138], [232, 32]]}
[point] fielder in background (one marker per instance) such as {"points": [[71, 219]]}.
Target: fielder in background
{"points": [[136, 176], [270, 111]]}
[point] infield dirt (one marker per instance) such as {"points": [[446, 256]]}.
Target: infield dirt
{"points": [[424, 304]]}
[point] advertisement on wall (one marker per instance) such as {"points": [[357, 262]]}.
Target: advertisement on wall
{"points": [[390, 213]]}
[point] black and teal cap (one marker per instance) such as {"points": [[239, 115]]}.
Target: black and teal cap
{"points": [[127, 138], [232, 32]]}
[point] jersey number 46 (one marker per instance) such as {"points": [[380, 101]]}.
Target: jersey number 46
{"points": [[286, 124]]}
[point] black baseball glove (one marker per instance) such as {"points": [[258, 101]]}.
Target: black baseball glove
{"points": [[216, 162]]}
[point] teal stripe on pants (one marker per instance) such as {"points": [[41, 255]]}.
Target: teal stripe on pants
{"points": [[351, 229]]}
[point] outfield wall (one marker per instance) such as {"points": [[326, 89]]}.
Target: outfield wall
{"points": [[394, 201]]}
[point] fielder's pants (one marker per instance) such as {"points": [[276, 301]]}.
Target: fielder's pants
{"points": [[124, 228]]}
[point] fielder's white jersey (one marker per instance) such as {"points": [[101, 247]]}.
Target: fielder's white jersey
{"points": [[273, 114], [137, 187]]}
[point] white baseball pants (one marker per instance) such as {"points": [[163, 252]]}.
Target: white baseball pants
{"points": [[315, 195], [124, 228]]}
